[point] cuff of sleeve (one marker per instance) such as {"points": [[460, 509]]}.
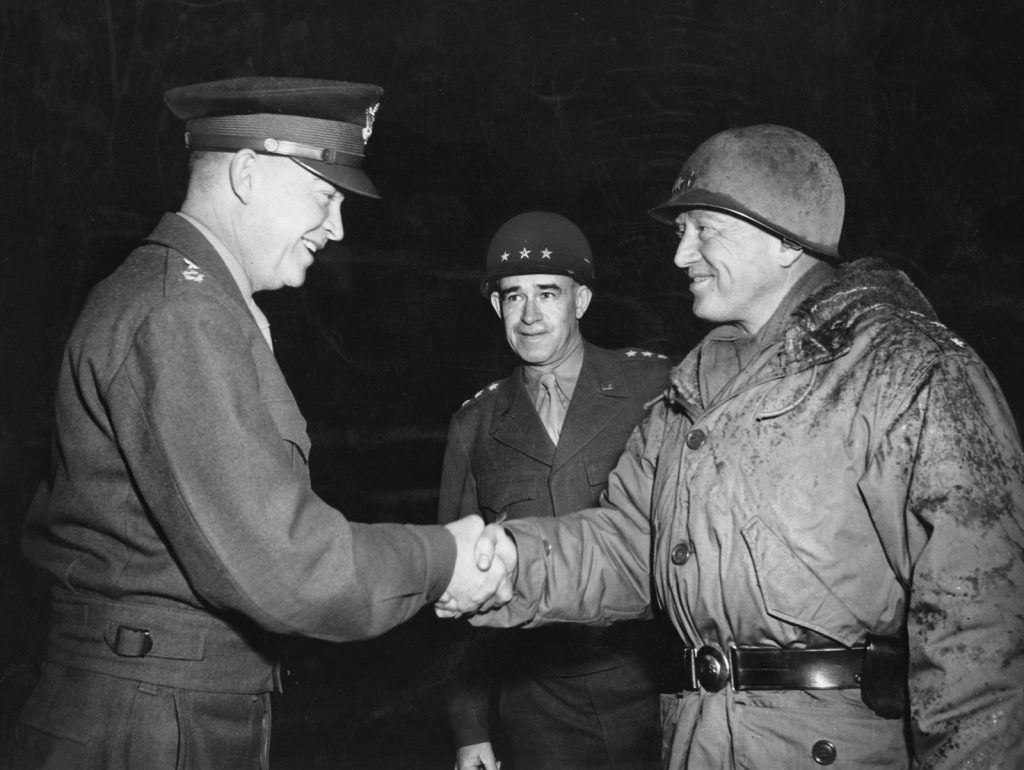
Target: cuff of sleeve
{"points": [[531, 573], [439, 547]]}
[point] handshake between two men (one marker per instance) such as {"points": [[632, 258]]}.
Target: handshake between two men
{"points": [[486, 565]]}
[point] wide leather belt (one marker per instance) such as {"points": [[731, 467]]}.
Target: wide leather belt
{"points": [[878, 668], [765, 668]]}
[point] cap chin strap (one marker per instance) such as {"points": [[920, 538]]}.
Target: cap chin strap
{"points": [[271, 146]]}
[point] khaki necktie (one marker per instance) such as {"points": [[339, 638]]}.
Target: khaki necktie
{"points": [[550, 406]]}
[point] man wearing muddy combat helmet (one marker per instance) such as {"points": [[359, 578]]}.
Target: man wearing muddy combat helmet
{"points": [[178, 531], [829, 499]]}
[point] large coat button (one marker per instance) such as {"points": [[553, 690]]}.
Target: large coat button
{"points": [[823, 752], [696, 438], [681, 553]]}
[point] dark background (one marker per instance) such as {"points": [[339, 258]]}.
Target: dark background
{"points": [[491, 108]]}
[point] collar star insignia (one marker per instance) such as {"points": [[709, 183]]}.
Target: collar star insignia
{"points": [[525, 253], [545, 254], [630, 353], [504, 257]]}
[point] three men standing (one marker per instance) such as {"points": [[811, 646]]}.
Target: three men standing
{"points": [[539, 442]]}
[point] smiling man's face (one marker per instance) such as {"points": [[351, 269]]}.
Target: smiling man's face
{"points": [[735, 271], [541, 315], [294, 214]]}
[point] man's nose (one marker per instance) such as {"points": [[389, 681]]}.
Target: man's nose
{"points": [[686, 252], [332, 223], [531, 311]]}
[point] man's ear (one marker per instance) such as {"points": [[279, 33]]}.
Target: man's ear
{"points": [[582, 299], [496, 302], [242, 170], [789, 253]]}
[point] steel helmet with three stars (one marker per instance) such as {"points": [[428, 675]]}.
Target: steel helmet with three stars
{"points": [[538, 242], [774, 177]]}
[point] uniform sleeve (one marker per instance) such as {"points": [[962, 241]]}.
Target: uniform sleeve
{"points": [[240, 517], [951, 469], [592, 566]]}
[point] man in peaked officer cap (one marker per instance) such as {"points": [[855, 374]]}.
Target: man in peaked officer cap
{"points": [[178, 530], [539, 441]]}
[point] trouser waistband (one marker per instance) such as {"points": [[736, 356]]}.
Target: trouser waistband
{"points": [[878, 668], [161, 645]]}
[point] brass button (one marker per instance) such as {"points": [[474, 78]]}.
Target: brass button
{"points": [[681, 553], [823, 752], [696, 438], [547, 547]]}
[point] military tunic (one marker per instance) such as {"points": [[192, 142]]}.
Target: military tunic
{"points": [[570, 697], [180, 501], [861, 475]]}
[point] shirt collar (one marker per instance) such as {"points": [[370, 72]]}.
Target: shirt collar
{"points": [[566, 375]]}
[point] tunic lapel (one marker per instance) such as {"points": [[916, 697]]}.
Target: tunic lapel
{"points": [[601, 393], [516, 423]]}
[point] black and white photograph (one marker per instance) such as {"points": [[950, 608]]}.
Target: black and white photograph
{"points": [[523, 385]]}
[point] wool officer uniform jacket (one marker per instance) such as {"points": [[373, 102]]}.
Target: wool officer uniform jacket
{"points": [[499, 461], [180, 476]]}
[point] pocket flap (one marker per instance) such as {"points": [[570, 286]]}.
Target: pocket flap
{"points": [[791, 590]]}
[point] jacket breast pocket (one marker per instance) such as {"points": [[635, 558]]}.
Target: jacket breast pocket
{"points": [[514, 496], [292, 427], [792, 591]]}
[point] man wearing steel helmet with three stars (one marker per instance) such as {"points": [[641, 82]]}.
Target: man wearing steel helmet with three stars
{"points": [[829, 498], [539, 441], [178, 533]]}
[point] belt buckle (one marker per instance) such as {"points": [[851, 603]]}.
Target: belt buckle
{"points": [[712, 668], [132, 642]]}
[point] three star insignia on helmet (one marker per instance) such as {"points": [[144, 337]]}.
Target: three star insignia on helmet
{"points": [[685, 182], [635, 353]]}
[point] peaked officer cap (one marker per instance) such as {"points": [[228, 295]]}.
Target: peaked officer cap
{"points": [[538, 242], [323, 125]]}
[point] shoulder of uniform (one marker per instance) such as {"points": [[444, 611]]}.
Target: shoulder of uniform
{"points": [[187, 271], [481, 394], [933, 330], [639, 354]]}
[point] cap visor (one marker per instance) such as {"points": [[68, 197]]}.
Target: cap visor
{"points": [[348, 178]]}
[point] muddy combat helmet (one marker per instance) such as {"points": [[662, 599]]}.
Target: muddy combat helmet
{"points": [[773, 177]]}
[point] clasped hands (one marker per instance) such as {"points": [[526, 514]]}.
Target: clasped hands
{"points": [[485, 568]]}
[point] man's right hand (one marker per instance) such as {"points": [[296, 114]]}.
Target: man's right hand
{"points": [[479, 756], [484, 574]]}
